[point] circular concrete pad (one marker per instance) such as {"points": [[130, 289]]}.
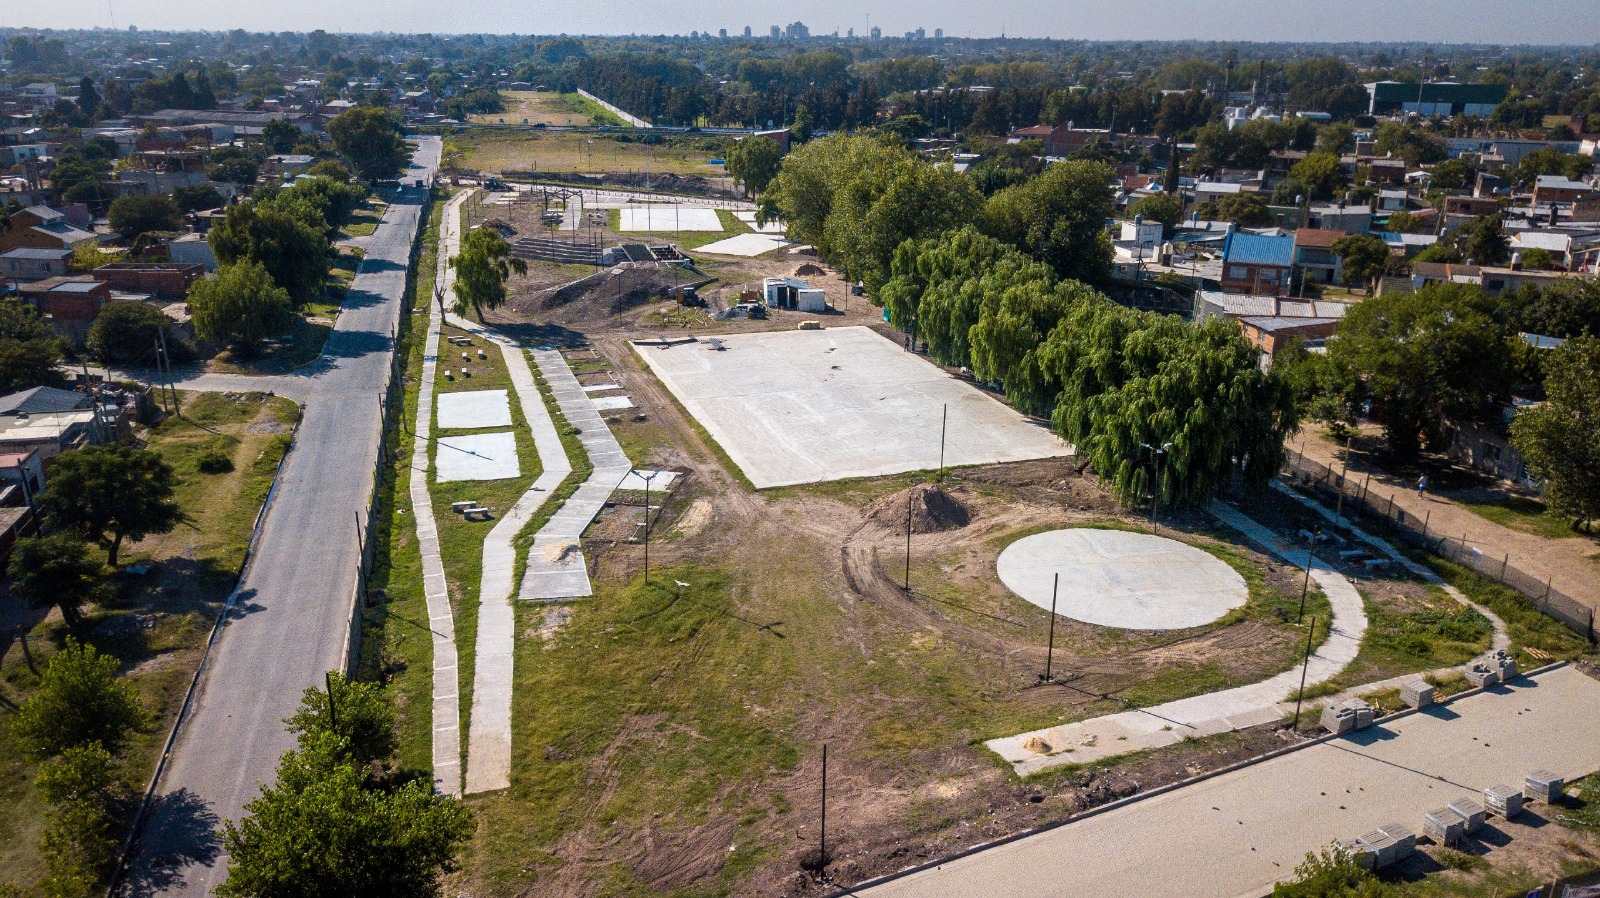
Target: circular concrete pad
{"points": [[1119, 579]]}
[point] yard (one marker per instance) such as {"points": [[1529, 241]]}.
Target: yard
{"points": [[567, 151], [155, 623], [547, 107]]}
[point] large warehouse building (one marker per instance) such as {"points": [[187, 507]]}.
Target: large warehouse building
{"points": [[1433, 98]]}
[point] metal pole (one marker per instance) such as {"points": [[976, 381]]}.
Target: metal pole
{"points": [[333, 712], [909, 498], [1304, 666], [1306, 584], [647, 531], [1425, 518], [944, 424], [1050, 651], [822, 842]]}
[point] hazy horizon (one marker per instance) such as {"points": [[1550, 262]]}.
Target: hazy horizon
{"points": [[1499, 22]]}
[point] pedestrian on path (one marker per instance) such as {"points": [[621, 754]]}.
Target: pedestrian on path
{"points": [[1422, 485]]}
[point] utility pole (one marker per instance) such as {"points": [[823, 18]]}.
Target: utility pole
{"points": [[333, 711], [822, 841], [161, 335], [909, 499], [1304, 666], [1306, 584], [944, 424], [647, 478], [1050, 650]]}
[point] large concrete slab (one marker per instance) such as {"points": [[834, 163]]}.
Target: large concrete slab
{"points": [[807, 406], [1237, 833], [474, 409], [478, 456], [772, 227], [1114, 578], [667, 217], [745, 245]]}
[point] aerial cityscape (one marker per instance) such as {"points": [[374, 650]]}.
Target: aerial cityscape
{"points": [[952, 452]]}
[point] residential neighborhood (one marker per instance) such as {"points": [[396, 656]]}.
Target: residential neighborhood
{"points": [[540, 454]]}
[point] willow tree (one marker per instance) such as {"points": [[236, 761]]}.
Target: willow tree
{"points": [[482, 268], [1133, 382], [1021, 307]]}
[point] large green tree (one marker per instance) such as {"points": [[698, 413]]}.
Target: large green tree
{"points": [[54, 570], [1058, 218], [1363, 258], [1560, 439], [754, 162], [132, 216], [29, 348], [126, 333], [294, 251], [1133, 380], [81, 700], [1424, 359], [336, 824], [482, 268], [79, 841], [360, 714], [111, 493], [1162, 207], [239, 304], [369, 140]]}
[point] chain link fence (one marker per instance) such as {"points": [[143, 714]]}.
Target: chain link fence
{"points": [[1351, 496]]}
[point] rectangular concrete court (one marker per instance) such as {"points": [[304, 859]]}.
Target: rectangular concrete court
{"points": [[1235, 834], [807, 406]]}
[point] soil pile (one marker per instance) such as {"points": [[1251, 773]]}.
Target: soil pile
{"points": [[932, 510], [810, 270]]}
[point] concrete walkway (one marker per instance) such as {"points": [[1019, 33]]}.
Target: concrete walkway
{"points": [[441, 621], [556, 567], [1236, 833], [1216, 712], [1500, 640]]}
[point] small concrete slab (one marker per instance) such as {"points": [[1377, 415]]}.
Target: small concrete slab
{"points": [[1119, 579], [771, 227], [611, 403], [670, 217], [474, 409], [745, 245], [601, 388], [479, 456], [659, 480]]}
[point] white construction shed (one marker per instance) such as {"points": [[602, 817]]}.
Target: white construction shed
{"points": [[811, 299]]}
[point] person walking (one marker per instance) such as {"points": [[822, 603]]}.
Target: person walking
{"points": [[1422, 485]]}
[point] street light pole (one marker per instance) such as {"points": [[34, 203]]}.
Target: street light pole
{"points": [[647, 478], [1311, 554], [1304, 666], [1155, 489], [1050, 650]]}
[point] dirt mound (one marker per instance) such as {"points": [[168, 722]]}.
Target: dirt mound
{"points": [[810, 270], [932, 510], [605, 293]]}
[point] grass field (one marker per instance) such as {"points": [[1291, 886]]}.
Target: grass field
{"points": [[547, 107], [561, 151], [155, 624], [365, 219]]}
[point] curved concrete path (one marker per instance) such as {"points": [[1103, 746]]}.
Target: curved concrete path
{"points": [[1216, 712]]}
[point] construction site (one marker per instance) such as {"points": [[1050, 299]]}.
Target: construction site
{"points": [[816, 537]]}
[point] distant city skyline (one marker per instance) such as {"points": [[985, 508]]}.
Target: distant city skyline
{"points": [[1447, 21]]}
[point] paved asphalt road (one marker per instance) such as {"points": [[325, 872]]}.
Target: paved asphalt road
{"points": [[289, 621], [1237, 833]]}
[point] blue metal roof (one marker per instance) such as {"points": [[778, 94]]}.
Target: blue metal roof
{"points": [[1257, 249]]}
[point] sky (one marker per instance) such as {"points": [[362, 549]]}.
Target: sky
{"points": [[1447, 21]]}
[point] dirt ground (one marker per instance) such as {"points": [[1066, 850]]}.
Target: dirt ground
{"points": [[912, 780]]}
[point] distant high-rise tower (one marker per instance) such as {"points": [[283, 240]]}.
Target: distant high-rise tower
{"points": [[938, 34], [850, 33], [922, 35], [776, 33], [747, 31], [876, 33], [722, 33]]}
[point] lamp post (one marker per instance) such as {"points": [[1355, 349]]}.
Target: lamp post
{"points": [[1305, 584], [1155, 490], [646, 478]]}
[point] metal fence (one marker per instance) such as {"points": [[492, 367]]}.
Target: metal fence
{"points": [[1351, 496]]}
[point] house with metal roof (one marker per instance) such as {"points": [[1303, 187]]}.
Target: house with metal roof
{"points": [[33, 263], [1254, 263]]}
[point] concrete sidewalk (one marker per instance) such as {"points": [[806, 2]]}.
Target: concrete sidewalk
{"points": [[1213, 713], [441, 620], [556, 566], [1236, 833]]}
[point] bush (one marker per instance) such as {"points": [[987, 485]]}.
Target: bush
{"points": [[214, 461], [80, 700], [126, 333]]}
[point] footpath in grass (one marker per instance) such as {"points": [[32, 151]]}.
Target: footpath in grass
{"points": [[155, 623]]}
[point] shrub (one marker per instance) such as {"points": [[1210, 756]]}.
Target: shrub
{"points": [[214, 461]]}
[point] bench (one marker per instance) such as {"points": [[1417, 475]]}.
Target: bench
{"points": [[476, 513], [1376, 564], [459, 507]]}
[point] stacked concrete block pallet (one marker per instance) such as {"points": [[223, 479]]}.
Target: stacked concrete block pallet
{"points": [[1503, 800]]}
